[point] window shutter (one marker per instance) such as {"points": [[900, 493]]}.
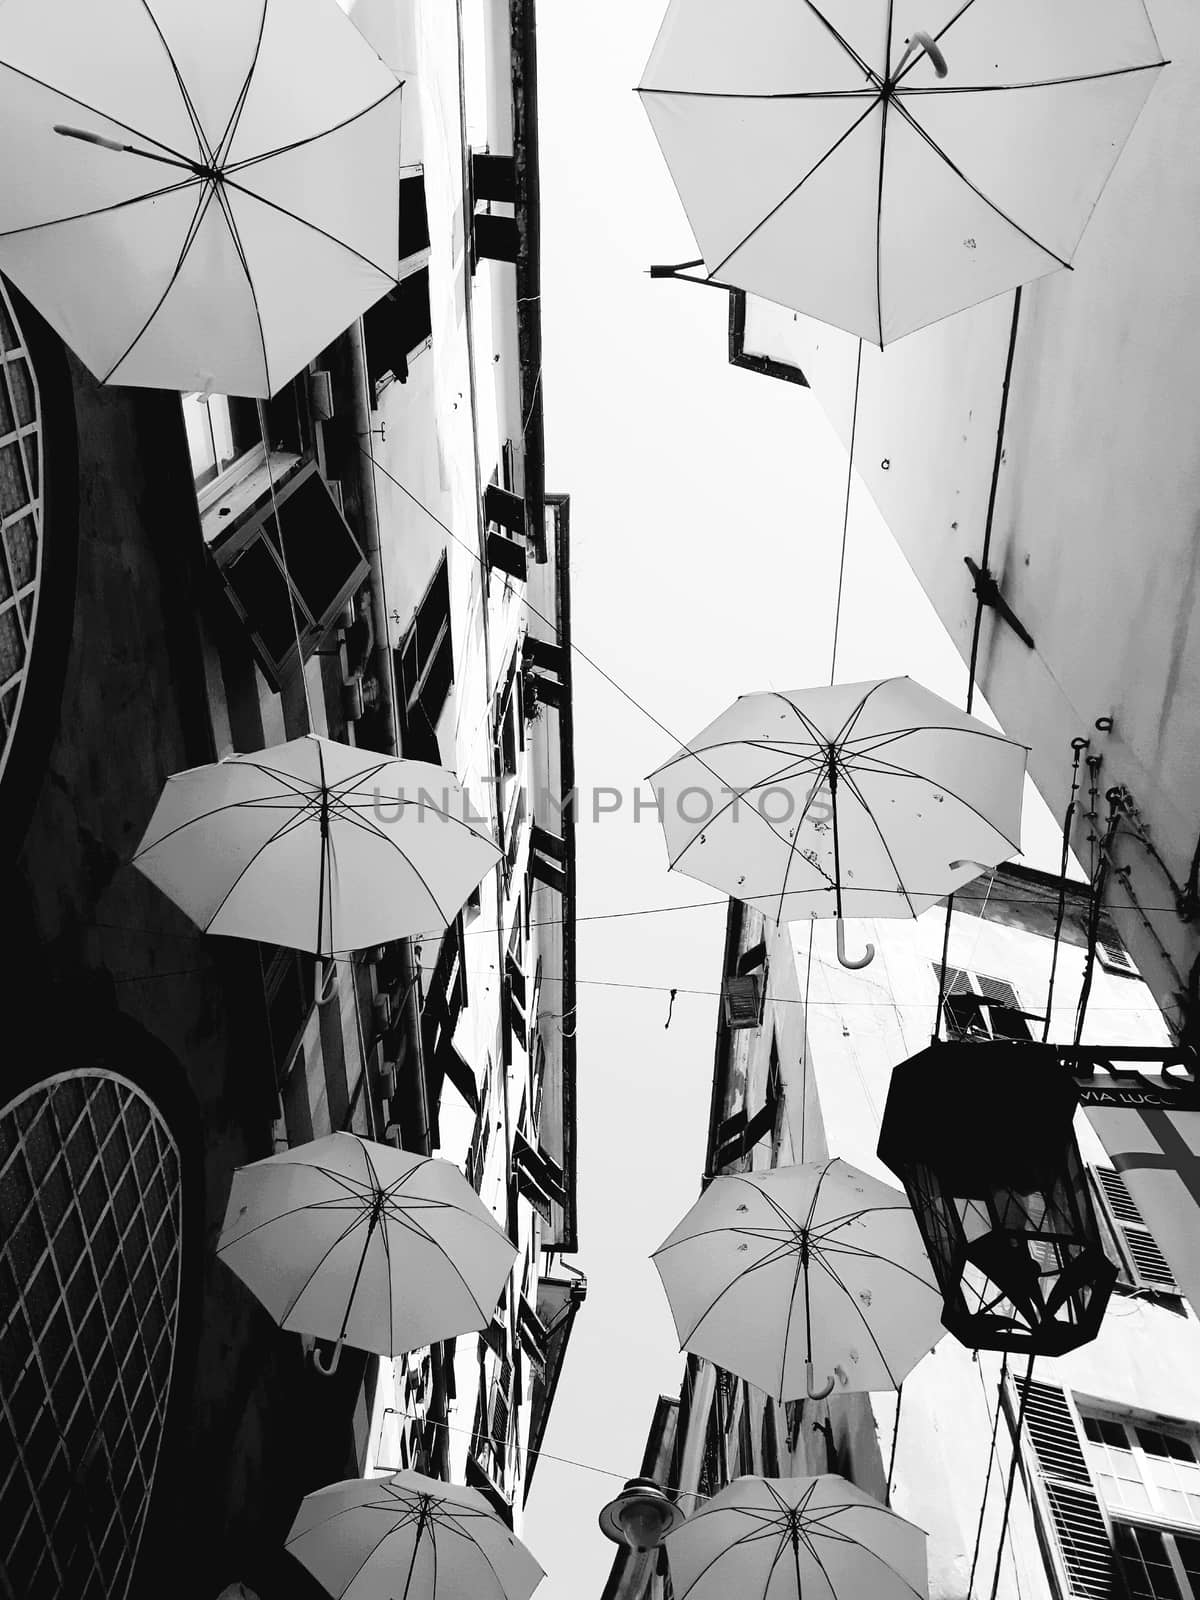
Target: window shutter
{"points": [[505, 509], [743, 997], [1079, 1529], [750, 960], [1150, 1268], [496, 238], [493, 177]]}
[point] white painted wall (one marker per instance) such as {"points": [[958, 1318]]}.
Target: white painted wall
{"points": [[1095, 535]]}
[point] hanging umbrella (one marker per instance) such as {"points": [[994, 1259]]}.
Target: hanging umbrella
{"points": [[408, 1537], [363, 1244], [784, 1538], [817, 1268], [196, 196], [861, 800], [880, 166], [317, 846]]}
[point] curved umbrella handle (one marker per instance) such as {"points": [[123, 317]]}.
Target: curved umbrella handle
{"points": [[816, 1394], [328, 1371], [863, 961], [931, 48]]}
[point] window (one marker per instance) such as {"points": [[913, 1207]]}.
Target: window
{"points": [[739, 1133], [744, 991], [496, 235], [425, 670], [220, 430], [295, 584], [1113, 956], [507, 528], [1118, 1497], [1142, 1263], [976, 1007], [396, 328], [21, 518], [414, 216]]}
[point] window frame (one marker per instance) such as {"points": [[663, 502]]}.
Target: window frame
{"points": [[1155, 1520], [983, 1003]]}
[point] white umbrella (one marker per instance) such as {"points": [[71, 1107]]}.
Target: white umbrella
{"points": [[196, 196], [409, 1537], [317, 846], [776, 1274], [362, 1244], [879, 165], [862, 800], [787, 1538]]}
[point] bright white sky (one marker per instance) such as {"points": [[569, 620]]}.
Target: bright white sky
{"points": [[706, 512]]}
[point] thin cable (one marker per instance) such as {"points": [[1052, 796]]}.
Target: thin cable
{"points": [[1093, 924], [287, 577], [804, 1030], [1079, 746], [837, 612], [895, 1438], [987, 1482], [526, 1450], [1012, 1473]]}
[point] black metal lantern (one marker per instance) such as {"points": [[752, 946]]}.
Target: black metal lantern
{"points": [[981, 1137]]}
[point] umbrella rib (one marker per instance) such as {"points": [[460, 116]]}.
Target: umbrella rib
{"points": [[845, 44], [795, 841], [101, 211], [784, 94], [887, 1366], [239, 105], [743, 1538], [847, 727], [311, 138], [975, 190], [216, 811], [866, 1548], [355, 821], [1032, 83], [305, 222], [797, 187], [894, 735], [325, 867], [787, 1327], [234, 234], [225, 1244], [415, 1227], [85, 105], [197, 127], [861, 798], [814, 732], [887, 769], [302, 1290], [290, 821], [206, 193], [938, 37], [879, 198], [710, 1233], [858, 1253], [345, 807]]}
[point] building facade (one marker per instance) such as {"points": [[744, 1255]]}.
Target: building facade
{"points": [[1106, 1484], [1061, 423], [370, 556]]}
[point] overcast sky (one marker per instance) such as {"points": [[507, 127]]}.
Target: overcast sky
{"points": [[706, 514]]}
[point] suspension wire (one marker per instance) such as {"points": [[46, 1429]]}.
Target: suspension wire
{"points": [[527, 1450], [1093, 924], [1012, 1471], [1078, 746], [977, 627], [887, 1499], [987, 1482], [263, 423], [837, 612], [804, 1030]]}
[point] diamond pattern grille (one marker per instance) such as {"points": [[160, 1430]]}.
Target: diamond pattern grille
{"points": [[20, 517], [90, 1213]]}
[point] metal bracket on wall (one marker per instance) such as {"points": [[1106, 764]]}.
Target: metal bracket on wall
{"points": [[987, 591]]}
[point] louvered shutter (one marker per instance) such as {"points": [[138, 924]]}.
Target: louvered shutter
{"points": [[1149, 1267], [1078, 1527]]}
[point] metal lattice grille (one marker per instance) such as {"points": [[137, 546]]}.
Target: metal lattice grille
{"points": [[90, 1213], [20, 517]]}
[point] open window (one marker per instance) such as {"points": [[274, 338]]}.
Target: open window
{"points": [[744, 991], [425, 670], [289, 565], [1141, 1263], [978, 1007], [396, 329]]}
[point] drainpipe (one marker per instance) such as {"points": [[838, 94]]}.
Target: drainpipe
{"points": [[381, 666], [703, 1393]]}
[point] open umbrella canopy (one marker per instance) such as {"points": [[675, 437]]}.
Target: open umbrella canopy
{"points": [[317, 846], [863, 800], [826, 163], [409, 1537], [818, 1268], [784, 1538], [362, 1244], [197, 196]]}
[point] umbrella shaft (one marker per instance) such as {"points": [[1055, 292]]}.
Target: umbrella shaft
{"points": [[122, 149]]}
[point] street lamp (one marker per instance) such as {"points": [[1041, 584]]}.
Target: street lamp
{"points": [[981, 1137], [641, 1516]]}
